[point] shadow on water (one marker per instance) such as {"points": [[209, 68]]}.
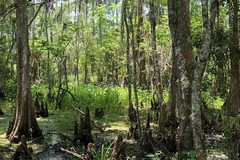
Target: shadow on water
{"points": [[51, 144]]}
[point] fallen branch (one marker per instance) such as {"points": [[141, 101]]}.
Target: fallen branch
{"points": [[93, 122], [70, 152]]}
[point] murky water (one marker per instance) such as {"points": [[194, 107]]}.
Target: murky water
{"points": [[53, 142]]}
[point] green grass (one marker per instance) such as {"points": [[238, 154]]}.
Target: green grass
{"points": [[95, 96]]}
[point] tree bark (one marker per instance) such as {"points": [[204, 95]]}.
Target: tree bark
{"points": [[24, 121], [171, 119], [157, 84], [199, 144], [129, 77], [140, 50], [179, 22], [135, 71], [231, 105]]}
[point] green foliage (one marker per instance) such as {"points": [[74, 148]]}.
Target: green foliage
{"points": [[95, 96], [188, 155], [10, 88], [196, 24], [165, 96], [103, 153], [40, 89], [191, 155], [213, 102], [105, 97]]}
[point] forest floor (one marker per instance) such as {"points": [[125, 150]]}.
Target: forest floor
{"points": [[59, 127]]}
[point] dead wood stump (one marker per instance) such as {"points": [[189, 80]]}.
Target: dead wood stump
{"points": [[132, 114], [133, 132], [147, 126], [37, 106], [23, 151], [40, 110], [99, 113], [43, 109], [1, 112], [2, 94], [118, 152], [82, 131], [147, 141], [89, 155]]}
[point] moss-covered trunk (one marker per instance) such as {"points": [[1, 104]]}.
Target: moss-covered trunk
{"points": [[197, 85]]}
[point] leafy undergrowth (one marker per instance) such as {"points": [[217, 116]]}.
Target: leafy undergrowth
{"points": [[58, 127]]}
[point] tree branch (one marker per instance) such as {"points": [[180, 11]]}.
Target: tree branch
{"points": [[39, 8], [5, 12], [66, 90]]}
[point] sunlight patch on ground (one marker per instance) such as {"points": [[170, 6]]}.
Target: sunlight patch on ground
{"points": [[216, 156], [3, 139], [121, 126]]}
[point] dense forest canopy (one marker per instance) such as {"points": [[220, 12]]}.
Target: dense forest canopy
{"points": [[174, 63]]}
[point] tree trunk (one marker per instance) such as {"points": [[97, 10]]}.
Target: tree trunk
{"points": [[24, 121], [128, 56], [48, 52], [171, 119], [135, 71], [231, 105], [200, 65], [157, 85], [179, 22], [140, 50]]}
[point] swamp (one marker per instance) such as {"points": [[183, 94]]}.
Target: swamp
{"points": [[119, 80]]}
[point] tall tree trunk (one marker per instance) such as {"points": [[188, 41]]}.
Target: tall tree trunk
{"points": [[24, 121], [47, 15], [171, 118], [135, 70], [200, 65], [156, 69], [76, 67], [140, 50], [86, 76], [129, 77], [179, 22], [231, 105]]}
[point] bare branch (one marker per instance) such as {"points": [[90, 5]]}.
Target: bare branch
{"points": [[39, 8], [70, 152]]}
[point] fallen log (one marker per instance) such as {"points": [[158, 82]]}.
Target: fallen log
{"points": [[93, 122], [71, 153]]}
